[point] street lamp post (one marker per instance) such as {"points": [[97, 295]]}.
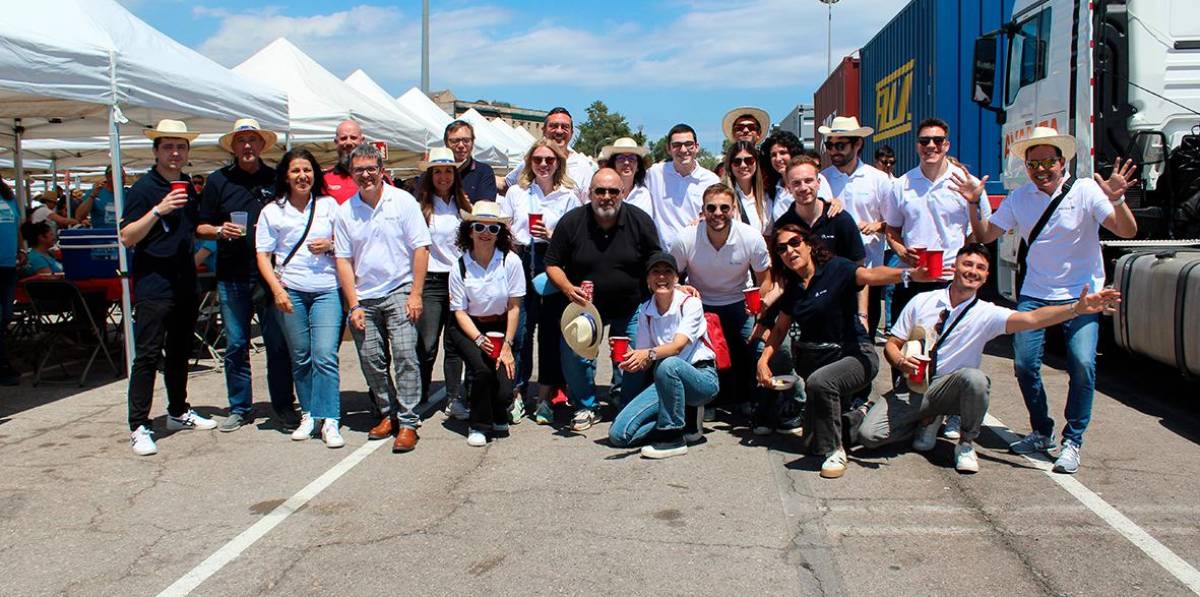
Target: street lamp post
{"points": [[829, 36], [425, 47]]}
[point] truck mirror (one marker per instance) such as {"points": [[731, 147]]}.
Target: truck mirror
{"points": [[983, 75]]}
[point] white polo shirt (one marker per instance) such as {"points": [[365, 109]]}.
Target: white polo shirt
{"points": [[684, 316], [280, 227], [964, 347], [783, 198], [865, 192], [380, 241], [443, 232], [720, 276], [929, 214], [486, 291], [1066, 255], [676, 199], [579, 167], [639, 196], [748, 207], [519, 203]]}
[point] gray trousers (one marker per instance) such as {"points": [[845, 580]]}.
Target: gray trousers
{"points": [[829, 392], [389, 333], [896, 416]]}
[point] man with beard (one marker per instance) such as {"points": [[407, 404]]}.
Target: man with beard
{"points": [[559, 129], [608, 245], [339, 183]]}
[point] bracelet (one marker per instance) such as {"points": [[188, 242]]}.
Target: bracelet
{"points": [[975, 202], [357, 308], [1118, 202], [154, 210], [479, 340], [1074, 313]]}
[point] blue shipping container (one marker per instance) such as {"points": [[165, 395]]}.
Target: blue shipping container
{"points": [[919, 66]]}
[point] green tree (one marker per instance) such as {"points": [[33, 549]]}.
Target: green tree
{"points": [[602, 128], [704, 157]]}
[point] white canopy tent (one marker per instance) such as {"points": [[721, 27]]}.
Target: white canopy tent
{"points": [[485, 132], [525, 134], [515, 139]]}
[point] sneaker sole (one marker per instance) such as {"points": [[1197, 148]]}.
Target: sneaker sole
{"points": [[1064, 471], [796, 431], [832, 473], [664, 454]]}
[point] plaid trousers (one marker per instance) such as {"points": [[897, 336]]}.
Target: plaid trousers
{"points": [[389, 333]]}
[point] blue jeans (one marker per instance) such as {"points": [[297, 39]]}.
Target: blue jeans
{"points": [[236, 309], [677, 384], [580, 373], [313, 335], [1082, 334], [891, 260]]}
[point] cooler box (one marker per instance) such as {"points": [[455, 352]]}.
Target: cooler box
{"points": [[89, 253]]}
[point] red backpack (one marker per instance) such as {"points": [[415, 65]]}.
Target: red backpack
{"points": [[715, 340]]}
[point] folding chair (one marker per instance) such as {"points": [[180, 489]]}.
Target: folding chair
{"points": [[63, 314], [209, 329]]}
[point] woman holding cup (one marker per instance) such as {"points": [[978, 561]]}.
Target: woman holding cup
{"points": [[486, 287]]}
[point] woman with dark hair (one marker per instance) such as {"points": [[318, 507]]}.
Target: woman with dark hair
{"points": [[486, 286], [441, 197], [9, 232], [743, 174], [832, 353], [39, 237], [630, 160], [294, 243]]}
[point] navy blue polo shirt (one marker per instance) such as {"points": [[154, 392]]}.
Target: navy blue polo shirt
{"points": [[479, 181], [228, 190], [827, 309], [839, 233], [162, 265]]}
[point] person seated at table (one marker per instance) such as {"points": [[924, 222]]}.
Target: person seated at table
{"points": [[205, 255], [44, 209], [39, 237]]}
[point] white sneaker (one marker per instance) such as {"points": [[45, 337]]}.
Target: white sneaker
{"points": [[458, 410], [476, 438], [190, 420], [926, 437], [305, 429], [834, 465], [330, 434], [965, 458], [1034, 442], [953, 428], [1068, 458], [142, 441]]}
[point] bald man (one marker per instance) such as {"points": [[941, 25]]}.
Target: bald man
{"points": [[338, 182]]}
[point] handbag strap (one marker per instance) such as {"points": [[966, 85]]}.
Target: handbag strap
{"points": [[1023, 250], [946, 334], [312, 212]]}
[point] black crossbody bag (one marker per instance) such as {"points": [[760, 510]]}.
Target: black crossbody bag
{"points": [[261, 292], [1023, 250]]}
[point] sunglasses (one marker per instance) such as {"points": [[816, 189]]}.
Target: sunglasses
{"points": [[1045, 164], [792, 243], [746, 161], [837, 145], [713, 207], [549, 161], [936, 140], [480, 227], [887, 162], [626, 157], [745, 126], [606, 192]]}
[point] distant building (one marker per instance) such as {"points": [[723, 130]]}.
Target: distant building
{"points": [[527, 118], [799, 122]]}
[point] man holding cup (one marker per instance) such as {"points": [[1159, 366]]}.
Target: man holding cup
{"points": [[233, 197]]}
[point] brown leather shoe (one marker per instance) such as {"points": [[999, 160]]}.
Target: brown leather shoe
{"points": [[383, 430], [406, 440]]}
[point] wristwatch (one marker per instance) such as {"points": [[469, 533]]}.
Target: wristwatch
{"points": [[905, 277], [479, 340], [654, 354]]}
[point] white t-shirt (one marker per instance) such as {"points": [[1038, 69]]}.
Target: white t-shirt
{"points": [[639, 196], [676, 200], [929, 214], [381, 240], [684, 316], [278, 230], [748, 207], [486, 292], [865, 192], [579, 167], [1066, 254], [720, 276], [519, 203], [443, 231], [964, 346]]}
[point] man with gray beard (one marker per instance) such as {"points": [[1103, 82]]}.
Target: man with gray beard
{"points": [[338, 181]]}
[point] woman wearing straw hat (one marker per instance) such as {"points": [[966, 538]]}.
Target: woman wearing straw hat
{"points": [[486, 286], [630, 160], [440, 194], [743, 176]]}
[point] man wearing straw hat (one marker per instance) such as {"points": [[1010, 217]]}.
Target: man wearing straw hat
{"points": [[1059, 221], [233, 197], [746, 123], [159, 221]]}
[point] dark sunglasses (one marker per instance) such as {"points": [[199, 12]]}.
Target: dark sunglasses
{"points": [[888, 162], [792, 243], [713, 207], [606, 192], [480, 227], [537, 159], [1046, 164], [837, 145], [936, 140], [745, 126], [746, 161]]}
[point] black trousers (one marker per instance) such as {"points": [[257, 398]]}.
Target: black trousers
{"points": [[161, 326], [491, 386]]}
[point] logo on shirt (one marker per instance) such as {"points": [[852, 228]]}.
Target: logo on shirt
{"points": [[820, 292]]}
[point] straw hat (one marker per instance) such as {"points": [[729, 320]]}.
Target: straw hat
{"points": [[170, 128], [625, 145], [915, 346], [844, 126], [1044, 135], [247, 124], [488, 212], [439, 156], [582, 329], [758, 114]]}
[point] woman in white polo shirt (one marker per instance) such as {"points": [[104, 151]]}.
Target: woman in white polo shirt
{"points": [[630, 160], [742, 174], [486, 286], [294, 244], [441, 197]]}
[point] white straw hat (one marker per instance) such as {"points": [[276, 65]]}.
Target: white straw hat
{"points": [[1044, 135]]}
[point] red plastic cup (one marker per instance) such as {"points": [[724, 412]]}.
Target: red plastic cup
{"points": [[923, 365], [620, 346], [534, 220], [753, 300], [497, 339], [180, 185], [920, 253], [933, 262]]}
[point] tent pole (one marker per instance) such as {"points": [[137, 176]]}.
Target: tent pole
{"points": [[54, 183], [18, 163], [114, 147]]}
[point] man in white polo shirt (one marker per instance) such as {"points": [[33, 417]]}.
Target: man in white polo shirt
{"points": [[719, 255], [559, 128], [677, 187], [1063, 258], [956, 326], [382, 248]]}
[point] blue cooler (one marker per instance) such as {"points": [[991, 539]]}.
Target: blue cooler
{"points": [[89, 253]]}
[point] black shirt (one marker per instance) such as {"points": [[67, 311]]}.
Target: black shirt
{"points": [[614, 260], [228, 190], [162, 265], [839, 233], [479, 181], [827, 310]]}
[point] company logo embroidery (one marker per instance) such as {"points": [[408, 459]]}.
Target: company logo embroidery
{"points": [[892, 95]]}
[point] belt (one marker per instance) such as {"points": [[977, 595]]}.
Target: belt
{"points": [[489, 318], [704, 364]]}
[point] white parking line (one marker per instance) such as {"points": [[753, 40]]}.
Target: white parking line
{"points": [[1161, 554], [230, 551]]}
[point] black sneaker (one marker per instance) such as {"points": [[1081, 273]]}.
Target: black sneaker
{"points": [[665, 444]]}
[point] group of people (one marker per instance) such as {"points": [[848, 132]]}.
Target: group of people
{"points": [[757, 291]]}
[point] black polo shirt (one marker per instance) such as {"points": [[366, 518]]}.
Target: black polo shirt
{"points": [[162, 265], [839, 233], [228, 190], [479, 181], [614, 260], [827, 309]]}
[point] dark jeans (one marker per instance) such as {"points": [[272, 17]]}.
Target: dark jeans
{"points": [[8, 290], [237, 306], [491, 387], [436, 317], [540, 315], [161, 325], [829, 391]]}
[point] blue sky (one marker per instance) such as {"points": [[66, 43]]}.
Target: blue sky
{"points": [[657, 63]]}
